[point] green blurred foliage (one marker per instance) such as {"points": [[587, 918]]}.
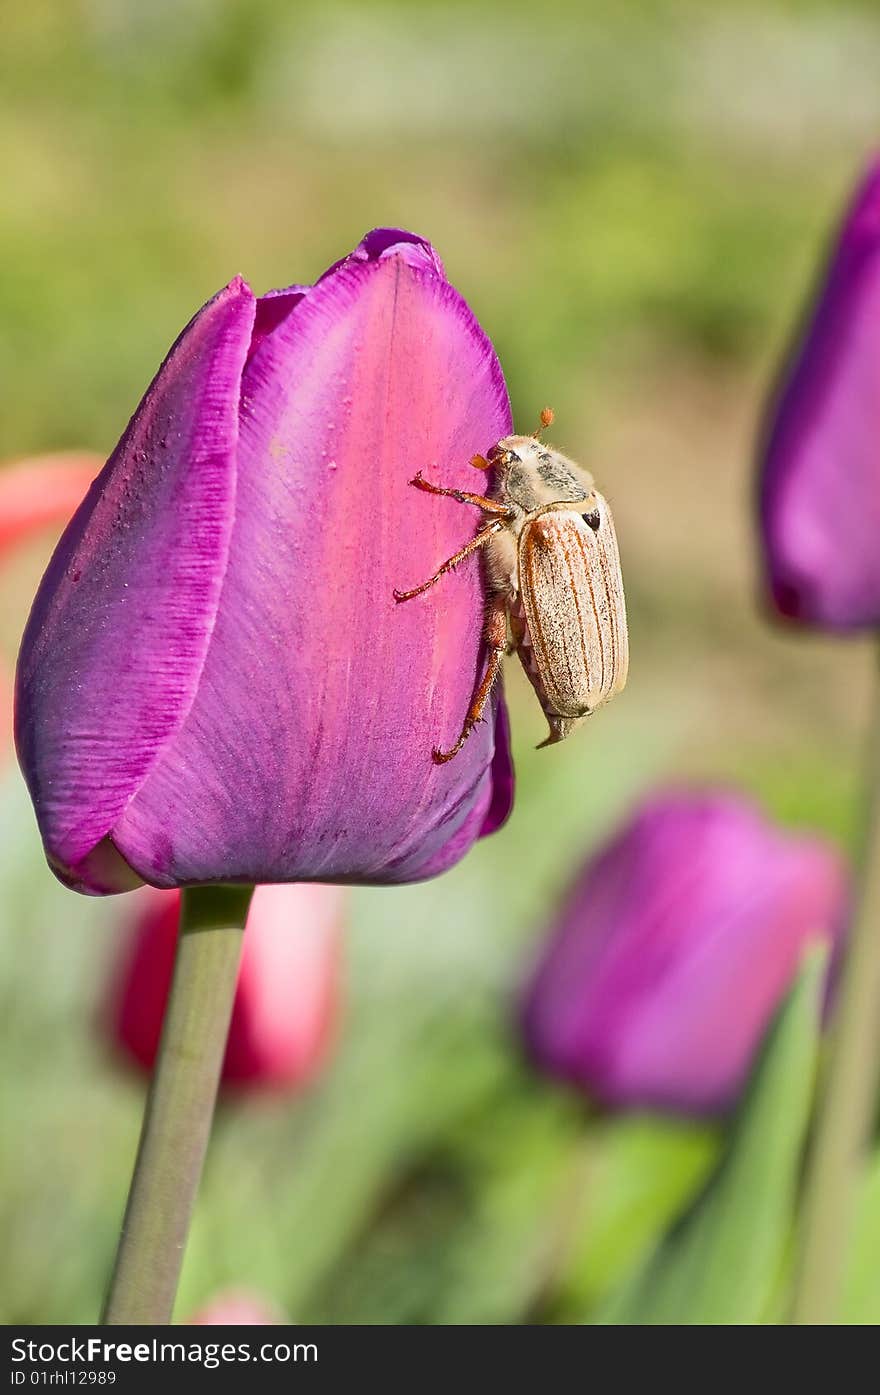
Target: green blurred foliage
{"points": [[632, 197], [862, 1295], [725, 1262]]}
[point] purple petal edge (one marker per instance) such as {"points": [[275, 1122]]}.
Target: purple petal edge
{"points": [[113, 650]]}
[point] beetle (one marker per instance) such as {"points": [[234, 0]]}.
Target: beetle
{"points": [[552, 570]]}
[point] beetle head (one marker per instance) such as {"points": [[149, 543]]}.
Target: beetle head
{"points": [[534, 475]]}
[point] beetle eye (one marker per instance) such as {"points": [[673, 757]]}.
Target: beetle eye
{"points": [[592, 519]]}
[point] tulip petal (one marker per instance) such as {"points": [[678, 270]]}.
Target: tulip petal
{"points": [[118, 634], [306, 753], [502, 776], [820, 493]]}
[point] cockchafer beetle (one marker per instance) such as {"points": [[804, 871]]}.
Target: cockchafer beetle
{"points": [[552, 570]]}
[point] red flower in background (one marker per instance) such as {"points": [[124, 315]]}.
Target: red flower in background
{"points": [[38, 494], [42, 491], [288, 995]]}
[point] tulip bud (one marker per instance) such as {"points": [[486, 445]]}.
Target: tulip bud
{"points": [[678, 940], [215, 683], [236, 1308], [820, 482], [287, 998]]}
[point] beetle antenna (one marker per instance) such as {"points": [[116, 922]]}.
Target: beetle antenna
{"points": [[547, 415]]}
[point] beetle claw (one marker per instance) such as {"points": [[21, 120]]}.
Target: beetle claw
{"points": [[441, 757]]}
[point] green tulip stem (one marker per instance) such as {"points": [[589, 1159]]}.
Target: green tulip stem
{"points": [[180, 1107], [849, 1091]]}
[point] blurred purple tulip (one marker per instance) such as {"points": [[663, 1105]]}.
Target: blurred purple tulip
{"points": [[820, 488], [675, 946], [215, 684]]}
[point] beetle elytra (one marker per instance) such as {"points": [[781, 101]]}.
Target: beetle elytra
{"points": [[553, 575]]}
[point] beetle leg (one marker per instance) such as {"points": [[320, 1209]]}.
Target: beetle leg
{"points": [[482, 537], [480, 462], [495, 635], [479, 500]]}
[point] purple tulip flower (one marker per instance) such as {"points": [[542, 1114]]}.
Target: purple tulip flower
{"points": [[215, 684], [820, 488], [678, 941]]}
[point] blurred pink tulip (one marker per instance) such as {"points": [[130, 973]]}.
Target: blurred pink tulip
{"points": [[236, 1308], [288, 995], [675, 946]]}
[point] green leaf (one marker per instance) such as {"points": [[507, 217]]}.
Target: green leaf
{"points": [[724, 1262], [861, 1298], [640, 1173]]}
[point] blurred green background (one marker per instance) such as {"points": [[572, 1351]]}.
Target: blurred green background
{"points": [[633, 198]]}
